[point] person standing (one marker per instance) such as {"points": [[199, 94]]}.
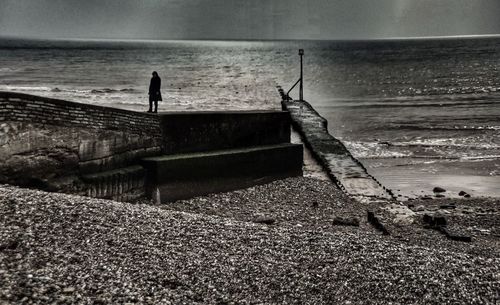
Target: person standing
{"points": [[154, 92]]}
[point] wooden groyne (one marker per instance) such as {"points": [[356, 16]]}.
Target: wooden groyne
{"points": [[345, 170]]}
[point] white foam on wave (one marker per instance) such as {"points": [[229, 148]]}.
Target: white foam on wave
{"points": [[480, 158], [9, 70], [69, 90], [452, 149], [467, 142], [374, 150], [25, 88]]}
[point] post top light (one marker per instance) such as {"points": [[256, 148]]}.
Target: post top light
{"points": [[301, 51]]}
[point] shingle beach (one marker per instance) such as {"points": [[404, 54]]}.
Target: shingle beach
{"points": [[270, 244]]}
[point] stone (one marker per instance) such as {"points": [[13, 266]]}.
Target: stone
{"points": [[9, 245], [447, 206], [68, 290], [375, 221], [434, 221], [440, 221], [438, 189], [456, 236], [462, 193], [340, 221], [439, 196], [265, 220], [467, 196], [427, 219]]}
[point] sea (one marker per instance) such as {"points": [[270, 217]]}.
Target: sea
{"points": [[418, 113]]}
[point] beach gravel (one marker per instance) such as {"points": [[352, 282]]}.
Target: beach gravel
{"points": [[66, 249]]}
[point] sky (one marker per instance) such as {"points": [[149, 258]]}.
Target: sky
{"points": [[247, 19]]}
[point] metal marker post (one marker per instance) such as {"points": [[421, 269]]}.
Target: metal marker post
{"points": [[301, 80], [301, 88]]}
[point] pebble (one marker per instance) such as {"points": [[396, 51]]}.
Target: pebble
{"points": [[420, 208], [68, 290], [438, 189], [265, 220]]}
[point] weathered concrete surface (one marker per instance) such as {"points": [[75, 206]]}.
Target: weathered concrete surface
{"points": [[53, 158], [122, 184], [188, 132], [173, 177], [347, 172], [311, 168], [49, 143]]}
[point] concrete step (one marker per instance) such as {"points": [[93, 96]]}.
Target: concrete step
{"points": [[182, 176], [187, 132], [120, 184]]}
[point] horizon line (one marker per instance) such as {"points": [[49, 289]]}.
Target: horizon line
{"points": [[395, 38]]}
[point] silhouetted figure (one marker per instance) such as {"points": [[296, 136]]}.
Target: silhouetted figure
{"points": [[154, 92]]}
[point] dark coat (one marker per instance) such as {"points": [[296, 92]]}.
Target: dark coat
{"points": [[154, 89]]}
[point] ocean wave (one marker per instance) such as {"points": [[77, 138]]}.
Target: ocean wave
{"points": [[8, 70], [414, 101], [443, 149], [400, 104], [109, 90], [25, 88], [443, 143], [67, 90], [441, 128], [129, 103], [480, 158], [374, 150]]}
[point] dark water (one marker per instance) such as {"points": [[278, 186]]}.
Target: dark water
{"points": [[418, 113]]}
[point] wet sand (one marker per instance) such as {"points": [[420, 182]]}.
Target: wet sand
{"points": [[410, 179]]}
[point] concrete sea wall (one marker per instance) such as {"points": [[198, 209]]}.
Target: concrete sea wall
{"points": [[218, 151], [187, 132], [30, 108], [71, 147], [103, 152]]}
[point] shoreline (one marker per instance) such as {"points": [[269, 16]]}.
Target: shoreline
{"points": [[391, 174], [411, 172], [424, 177]]}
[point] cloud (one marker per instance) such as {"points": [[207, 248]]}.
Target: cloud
{"points": [[401, 8], [247, 19]]}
